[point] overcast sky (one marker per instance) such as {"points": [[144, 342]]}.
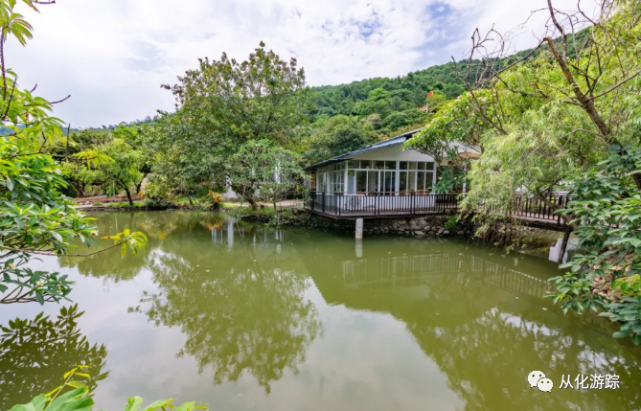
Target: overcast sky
{"points": [[112, 55]]}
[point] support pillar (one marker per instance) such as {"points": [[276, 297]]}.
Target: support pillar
{"points": [[359, 228], [359, 248], [564, 244]]}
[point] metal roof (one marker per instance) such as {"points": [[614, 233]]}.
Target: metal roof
{"points": [[394, 141]]}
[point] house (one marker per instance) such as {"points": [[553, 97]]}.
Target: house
{"points": [[379, 179]]}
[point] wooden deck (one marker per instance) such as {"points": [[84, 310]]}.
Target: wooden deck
{"points": [[350, 207]]}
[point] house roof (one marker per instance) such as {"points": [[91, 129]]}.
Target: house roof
{"points": [[394, 141]]}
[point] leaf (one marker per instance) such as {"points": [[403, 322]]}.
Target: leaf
{"points": [[133, 404], [188, 406], [77, 384], [69, 396], [157, 404], [621, 334]]}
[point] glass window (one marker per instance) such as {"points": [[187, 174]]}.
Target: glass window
{"points": [[413, 165], [390, 182], [353, 164], [403, 165], [411, 181], [366, 164], [420, 183], [421, 165], [429, 180], [390, 165], [429, 166], [361, 181], [372, 182], [380, 165], [351, 182], [402, 184]]}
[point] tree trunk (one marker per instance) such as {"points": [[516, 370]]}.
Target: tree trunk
{"points": [[250, 200], [131, 202], [79, 189]]}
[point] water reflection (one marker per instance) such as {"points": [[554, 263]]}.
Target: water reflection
{"points": [[36, 353], [481, 319], [241, 306], [406, 323]]}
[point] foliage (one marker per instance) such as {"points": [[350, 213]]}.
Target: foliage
{"points": [[216, 198], [221, 106], [35, 218], [628, 314], [451, 222], [387, 97], [76, 398], [111, 160], [606, 207], [264, 166], [338, 135], [545, 117], [29, 346]]}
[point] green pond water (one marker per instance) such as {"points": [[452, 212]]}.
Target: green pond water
{"points": [[244, 317]]}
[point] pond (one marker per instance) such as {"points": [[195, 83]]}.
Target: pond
{"points": [[244, 317]]}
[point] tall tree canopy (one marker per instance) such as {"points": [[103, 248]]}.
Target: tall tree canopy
{"points": [[222, 105]]}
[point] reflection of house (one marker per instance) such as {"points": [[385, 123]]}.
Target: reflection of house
{"points": [[383, 169]]}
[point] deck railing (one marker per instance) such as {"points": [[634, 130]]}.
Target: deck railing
{"points": [[345, 205], [538, 209], [412, 203]]}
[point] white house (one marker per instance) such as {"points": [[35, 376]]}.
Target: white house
{"points": [[382, 169]]}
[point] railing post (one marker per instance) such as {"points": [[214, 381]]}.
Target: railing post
{"points": [[560, 205], [323, 202]]}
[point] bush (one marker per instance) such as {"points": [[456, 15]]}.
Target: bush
{"points": [[606, 207]]}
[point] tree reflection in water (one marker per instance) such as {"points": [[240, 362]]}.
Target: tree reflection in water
{"points": [[158, 226], [36, 353], [241, 307], [483, 322]]}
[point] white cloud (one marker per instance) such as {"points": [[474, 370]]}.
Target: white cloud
{"points": [[112, 55]]}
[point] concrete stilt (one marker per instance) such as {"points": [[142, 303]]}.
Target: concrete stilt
{"points": [[359, 228], [359, 248]]}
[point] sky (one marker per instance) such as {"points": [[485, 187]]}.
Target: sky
{"points": [[111, 56]]}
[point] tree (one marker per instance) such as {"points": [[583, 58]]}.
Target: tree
{"points": [[339, 135], [261, 165], [566, 115], [224, 104], [553, 112], [35, 218]]}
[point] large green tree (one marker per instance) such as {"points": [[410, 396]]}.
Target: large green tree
{"points": [[222, 105], [547, 115]]}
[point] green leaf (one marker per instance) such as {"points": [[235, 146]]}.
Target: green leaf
{"points": [[621, 334], [133, 404], [157, 404]]}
